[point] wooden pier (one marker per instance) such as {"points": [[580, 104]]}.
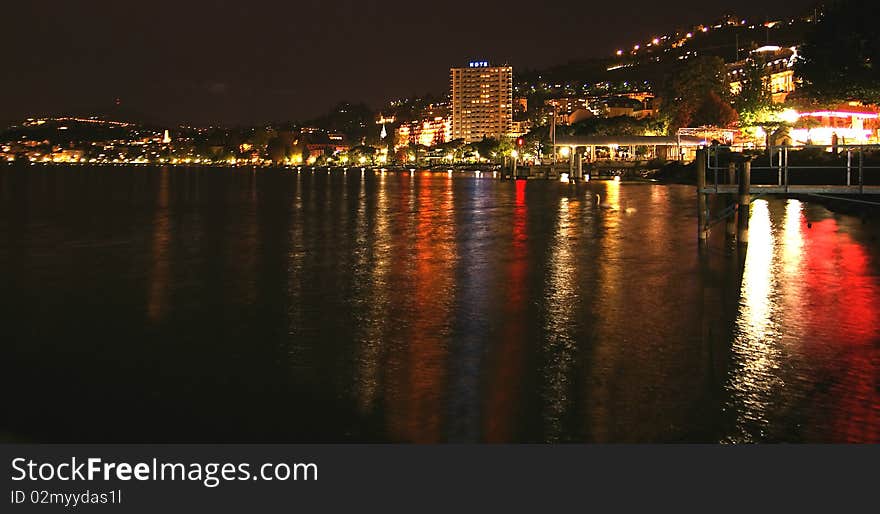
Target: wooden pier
{"points": [[735, 178]]}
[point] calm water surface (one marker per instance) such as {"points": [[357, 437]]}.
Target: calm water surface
{"points": [[148, 304]]}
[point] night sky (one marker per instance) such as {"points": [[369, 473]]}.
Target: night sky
{"points": [[254, 61]]}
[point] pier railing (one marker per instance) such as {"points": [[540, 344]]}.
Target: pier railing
{"points": [[842, 168]]}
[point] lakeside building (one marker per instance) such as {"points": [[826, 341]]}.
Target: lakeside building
{"points": [[628, 106], [519, 128], [325, 149], [778, 72], [849, 123], [429, 132], [482, 101], [565, 106]]}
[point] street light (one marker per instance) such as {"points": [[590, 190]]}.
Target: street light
{"points": [[789, 115]]}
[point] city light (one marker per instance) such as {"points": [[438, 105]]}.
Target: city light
{"points": [[789, 115]]}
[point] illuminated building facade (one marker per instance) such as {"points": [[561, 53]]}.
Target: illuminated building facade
{"points": [[852, 124], [778, 71], [567, 105], [482, 101], [428, 132], [520, 128]]}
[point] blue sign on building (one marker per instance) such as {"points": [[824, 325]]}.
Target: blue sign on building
{"points": [[478, 64]]}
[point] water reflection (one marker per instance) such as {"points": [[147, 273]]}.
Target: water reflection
{"points": [[160, 243], [508, 352], [756, 342], [419, 360], [563, 304], [805, 349], [279, 305], [374, 267], [842, 291]]}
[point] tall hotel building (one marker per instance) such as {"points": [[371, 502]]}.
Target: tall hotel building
{"points": [[482, 101]]}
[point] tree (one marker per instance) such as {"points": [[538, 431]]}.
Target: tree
{"points": [[616, 126], [714, 111], [840, 58], [539, 139], [362, 153], [280, 147], [754, 102], [698, 81]]}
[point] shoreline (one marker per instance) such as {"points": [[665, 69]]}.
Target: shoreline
{"points": [[865, 206]]}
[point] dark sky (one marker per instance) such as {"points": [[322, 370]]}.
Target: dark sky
{"points": [[251, 61]]}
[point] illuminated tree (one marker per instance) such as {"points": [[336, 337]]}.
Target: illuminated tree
{"points": [[754, 102], [615, 126]]}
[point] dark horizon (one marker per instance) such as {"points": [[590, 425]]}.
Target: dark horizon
{"points": [[228, 63]]}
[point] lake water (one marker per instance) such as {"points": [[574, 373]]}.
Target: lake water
{"points": [[148, 304]]}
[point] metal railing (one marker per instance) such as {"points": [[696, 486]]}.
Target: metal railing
{"points": [[779, 160]]}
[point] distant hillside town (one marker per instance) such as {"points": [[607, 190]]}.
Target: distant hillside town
{"points": [[737, 81]]}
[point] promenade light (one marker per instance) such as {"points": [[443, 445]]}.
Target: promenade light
{"points": [[565, 151], [789, 115]]}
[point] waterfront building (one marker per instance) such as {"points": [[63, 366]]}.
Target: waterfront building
{"points": [[482, 101], [520, 128], [427, 132], [579, 116], [778, 70], [849, 123], [567, 105], [626, 106], [66, 155]]}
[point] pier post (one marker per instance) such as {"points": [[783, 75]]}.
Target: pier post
{"points": [[702, 207], [580, 161], [730, 201], [745, 180], [571, 155]]}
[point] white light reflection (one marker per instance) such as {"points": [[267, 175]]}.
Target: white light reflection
{"points": [[793, 238], [373, 274], [560, 345], [756, 355]]}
